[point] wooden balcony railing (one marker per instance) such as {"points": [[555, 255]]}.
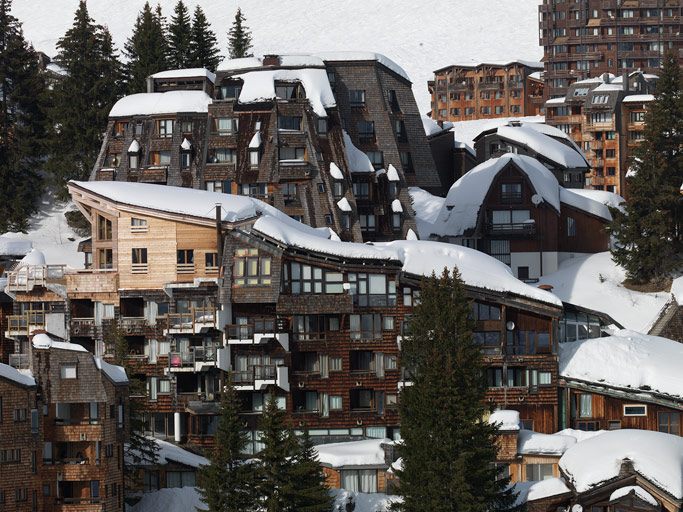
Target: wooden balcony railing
{"points": [[24, 279]]}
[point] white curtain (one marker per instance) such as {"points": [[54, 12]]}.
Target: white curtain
{"points": [[350, 480], [368, 480]]}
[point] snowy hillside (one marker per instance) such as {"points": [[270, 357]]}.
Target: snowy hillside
{"points": [[419, 36]]}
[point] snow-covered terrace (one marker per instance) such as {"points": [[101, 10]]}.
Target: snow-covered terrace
{"points": [[418, 258], [171, 74], [171, 102], [368, 453]]}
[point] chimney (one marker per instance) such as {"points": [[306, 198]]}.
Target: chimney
{"points": [[625, 82], [271, 60], [150, 84], [546, 287]]}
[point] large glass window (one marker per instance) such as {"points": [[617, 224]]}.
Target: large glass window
{"points": [[357, 97], [104, 228], [289, 123], [225, 125], [365, 327], [585, 405], [374, 290], [359, 480], [222, 156], [165, 127], [537, 472], [300, 278], [251, 269], [287, 153]]}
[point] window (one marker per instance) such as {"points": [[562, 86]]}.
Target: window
{"points": [[636, 135], [133, 160], [537, 472], [361, 190], [374, 290], [359, 480], [600, 99], [139, 260], [211, 261], [253, 189], [610, 153], [362, 399], [254, 158], [365, 327], [289, 192], [571, 226], [180, 479], [585, 405], [160, 158], [376, 158], [499, 109], [357, 97], [367, 222], [494, 377], [366, 131], [287, 153], [67, 371], [34, 421], [251, 268], [225, 125], [289, 123], [287, 91], [516, 377], [400, 129], [112, 160], [120, 128], [614, 425], [669, 422], [230, 91], [165, 127], [635, 410], [406, 161], [185, 261], [305, 401], [482, 311], [523, 273], [336, 365], [338, 189], [511, 220], [222, 156], [489, 341], [104, 228], [138, 225], [185, 159], [362, 361], [105, 258], [500, 249], [393, 100]]}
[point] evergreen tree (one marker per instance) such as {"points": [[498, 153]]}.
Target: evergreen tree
{"points": [[204, 46], [228, 483], [309, 492], [179, 37], [649, 233], [81, 101], [146, 50], [448, 450], [22, 124], [239, 38]]}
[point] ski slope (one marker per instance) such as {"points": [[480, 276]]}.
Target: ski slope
{"points": [[420, 36]]}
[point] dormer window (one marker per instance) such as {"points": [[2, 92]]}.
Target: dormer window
{"points": [[511, 192], [289, 123], [224, 125], [288, 91], [229, 91], [120, 128], [165, 127], [322, 126]]}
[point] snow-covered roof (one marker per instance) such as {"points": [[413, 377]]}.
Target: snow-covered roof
{"points": [[259, 86], [467, 131], [532, 491], [358, 160], [241, 63], [431, 127], [368, 452], [603, 78], [601, 196], [301, 60], [42, 341], [169, 453], [585, 203], [635, 489], [344, 205], [639, 98], [626, 360], [396, 206], [34, 258], [116, 374], [185, 73], [465, 197], [363, 56], [134, 147], [611, 87], [506, 418], [171, 102], [186, 145], [656, 456], [595, 282], [555, 101], [536, 75], [392, 173], [255, 141], [21, 377], [677, 290], [427, 208], [550, 148], [335, 171], [171, 499], [14, 246], [530, 442]]}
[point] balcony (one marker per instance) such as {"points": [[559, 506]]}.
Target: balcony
{"points": [[83, 327], [133, 325], [25, 324], [260, 376], [196, 321], [251, 334], [26, 278], [85, 283], [197, 358], [153, 174], [491, 86], [525, 228], [379, 300]]}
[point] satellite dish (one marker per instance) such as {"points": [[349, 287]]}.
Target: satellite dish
{"points": [[510, 325], [536, 199]]}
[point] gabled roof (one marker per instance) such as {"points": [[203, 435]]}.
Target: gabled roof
{"points": [[22, 378]]}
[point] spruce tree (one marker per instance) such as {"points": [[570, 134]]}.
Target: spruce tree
{"points": [[309, 492], [23, 104], [81, 101], [448, 450], [228, 483], [649, 233], [204, 46], [179, 37], [239, 38], [146, 50]]}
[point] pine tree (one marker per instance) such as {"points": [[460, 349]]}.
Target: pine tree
{"points": [[81, 101], [23, 103], [204, 46], [239, 38], [448, 449], [649, 233], [146, 50], [228, 483], [179, 37], [309, 492]]}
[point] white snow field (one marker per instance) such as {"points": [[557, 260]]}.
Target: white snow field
{"points": [[409, 32]]}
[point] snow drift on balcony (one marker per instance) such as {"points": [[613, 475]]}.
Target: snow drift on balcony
{"points": [[466, 195], [364, 56], [543, 144], [259, 86], [530, 442], [506, 419], [34, 258], [116, 373], [595, 282], [185, 73], [358, 160], [20, 377], [531, 491], [368, 452], [170, 102], [626, 360], [635, 489], [14, 247], [656, 456], [42, 341]]}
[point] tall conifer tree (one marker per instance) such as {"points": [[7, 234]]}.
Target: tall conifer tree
{"points": [[179, 37], [228, 483], [204, 46], [649, 232], [22, 124], [309, 492], [239, 38], [448, 450], [146, 50], [81, 101]]}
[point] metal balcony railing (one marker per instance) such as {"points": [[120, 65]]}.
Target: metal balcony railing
{"points": [[374, 300], [258, 372], [199, 354], [519, 228]]}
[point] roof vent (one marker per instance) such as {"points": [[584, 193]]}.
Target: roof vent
{"points": [[546, 287], [271, 60]]}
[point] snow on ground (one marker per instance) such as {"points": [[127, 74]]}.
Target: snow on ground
{"points": [[655, 455], [427, 208], [175, 499], [626, 360], [51, 234], [466, 131], [376, 502], [368, 452], [595, 281], [302, 26]]}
